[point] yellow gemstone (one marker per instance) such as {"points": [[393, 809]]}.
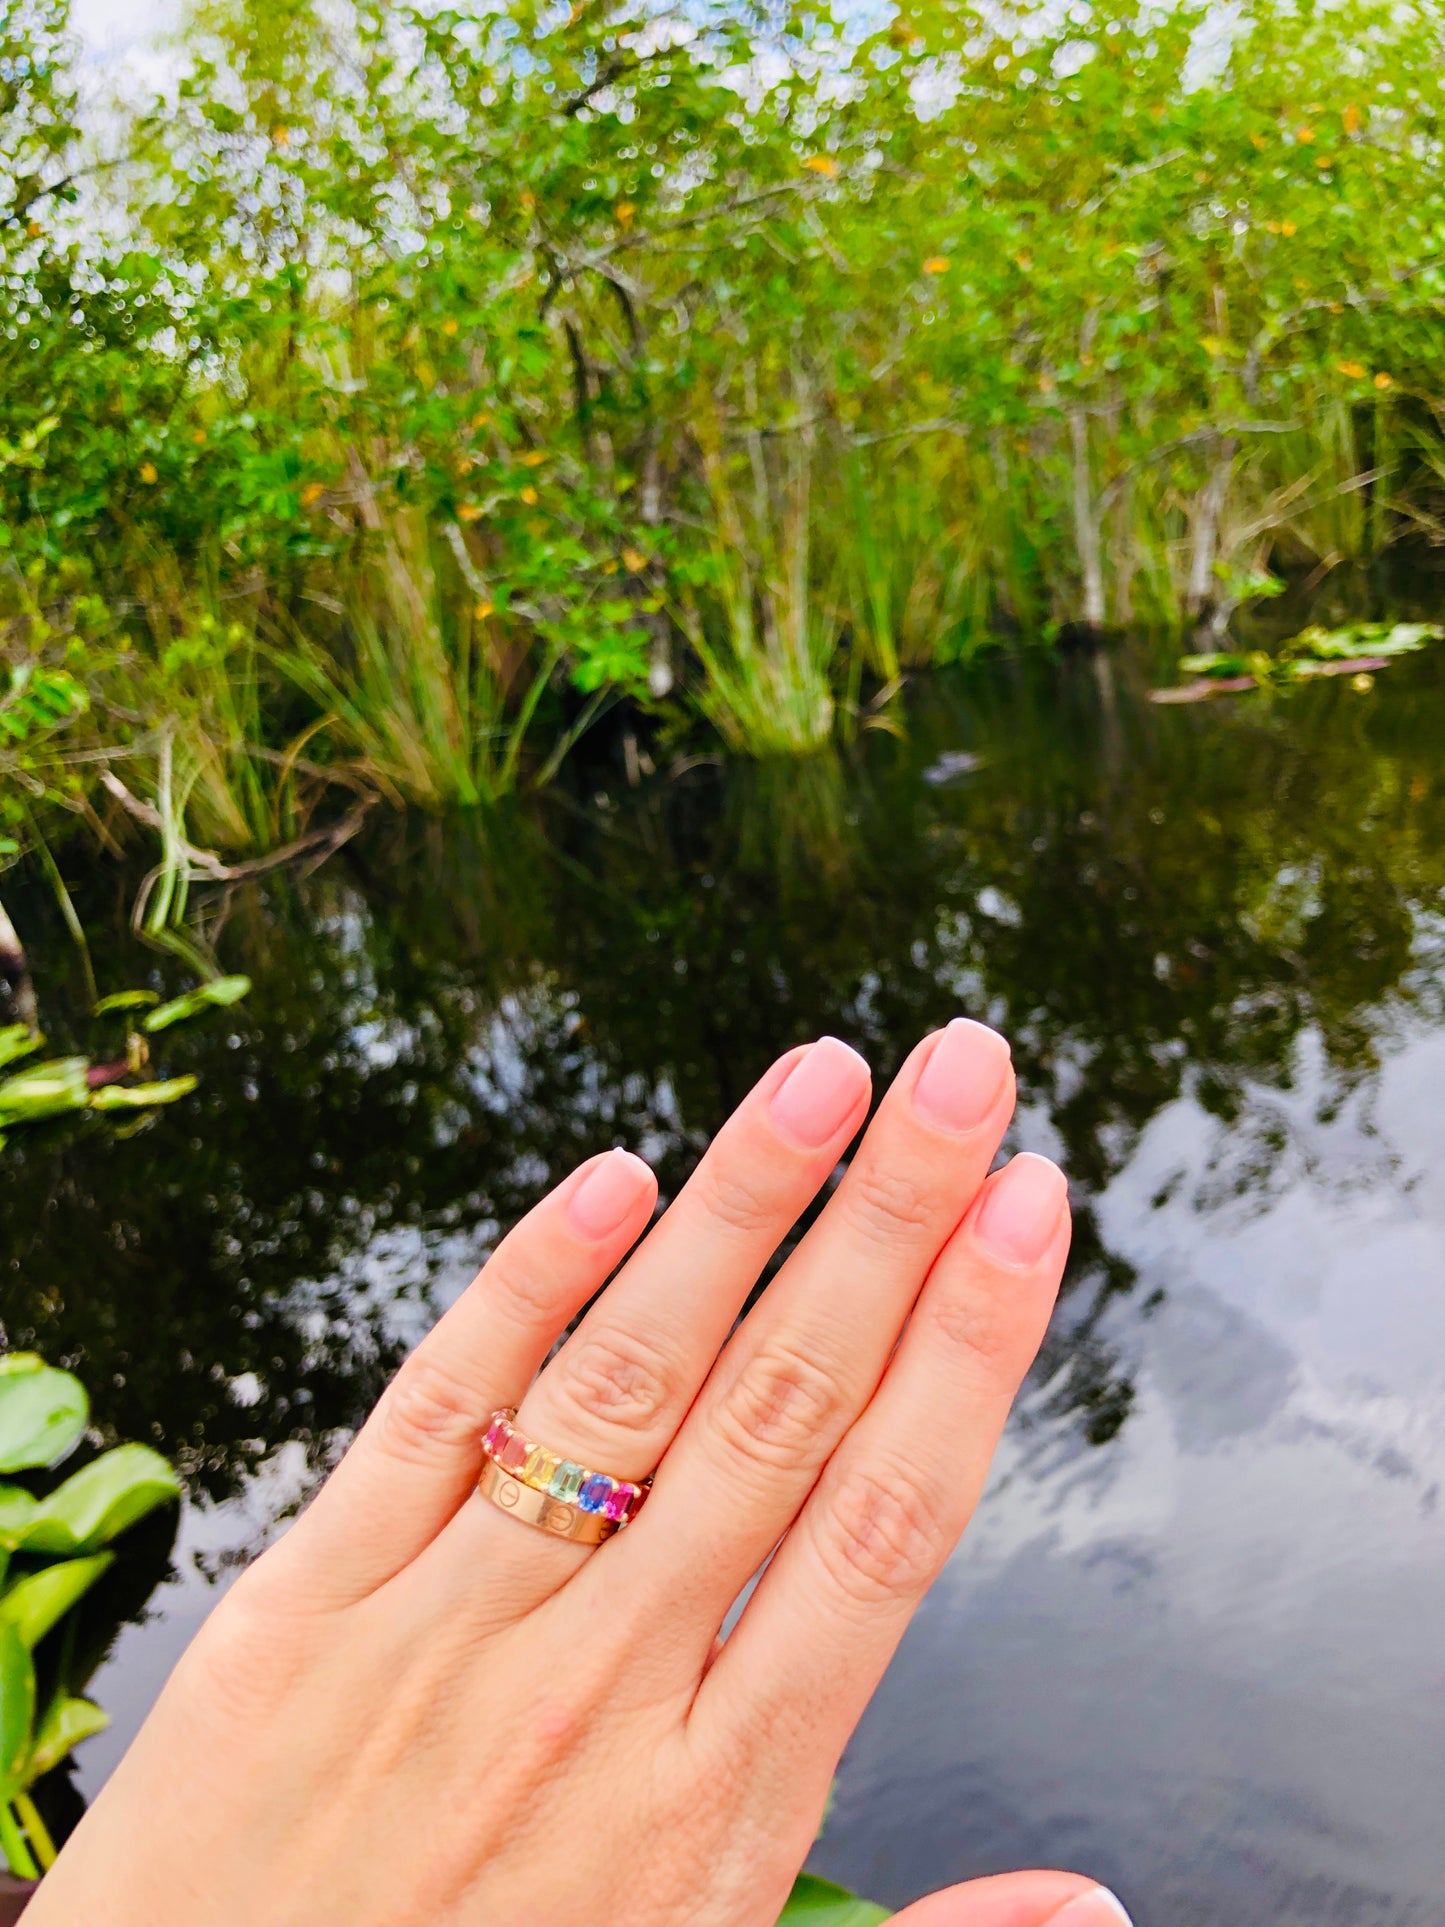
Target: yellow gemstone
{"points": [[540, 1466]]}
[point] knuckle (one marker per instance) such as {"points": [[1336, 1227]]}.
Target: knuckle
{"points": [[528, 1293], [879, 1538], [886, 1198], [427, 1412], [981, 1327], [619, 1378], [737, 1199], [782, 1408]]}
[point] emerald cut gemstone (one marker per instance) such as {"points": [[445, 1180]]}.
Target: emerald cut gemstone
{"points": [[595, 1493], [567, 1481]]}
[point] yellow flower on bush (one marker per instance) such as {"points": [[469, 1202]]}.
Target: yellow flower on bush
{"points": [[469, 512], [821, 164], [1354, 369], [529, 496], [312, 494], [624, 212], [1382, 380], [936, 264], [635, 560], [449, 326], [149, 474], [483, 610], [1351, 119], [533, 458]]}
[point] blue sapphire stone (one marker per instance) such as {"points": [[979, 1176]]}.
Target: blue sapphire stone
{"points": [[595, 1492]]}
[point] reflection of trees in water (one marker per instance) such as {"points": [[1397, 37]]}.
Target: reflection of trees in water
{"points": [[1151, 903]]}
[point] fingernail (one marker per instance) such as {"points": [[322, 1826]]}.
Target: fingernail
{"points": [[960, 1083], [609, 1194], [820, 1093], [1097, 1908], [1020, 1212]]}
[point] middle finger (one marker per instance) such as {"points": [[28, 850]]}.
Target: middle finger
{"points": [[802, 1367]]}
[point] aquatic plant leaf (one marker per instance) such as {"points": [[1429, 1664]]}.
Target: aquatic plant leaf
{"points": [[18, 1040], [219, 992], [17, 1508], [43, 1412], [44, 1090], [1361, 639], [63, 1725], [37, 1602], [17, 1703], [100, 1501], [818, 1903], [139, 1097], [1222, 662], [126, 1000]]}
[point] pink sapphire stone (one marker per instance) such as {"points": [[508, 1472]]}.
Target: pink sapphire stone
{"points": [[619, 1502], [496, 1434], [513, 1455]]}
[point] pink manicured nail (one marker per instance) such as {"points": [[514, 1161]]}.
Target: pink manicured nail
{"points": [[1097, 1908], [820, 1093], [1021, 1209], [960, 1083], [609, 1194]]}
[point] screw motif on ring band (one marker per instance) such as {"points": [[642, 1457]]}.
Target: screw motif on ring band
{"points": [[555, 1494]]}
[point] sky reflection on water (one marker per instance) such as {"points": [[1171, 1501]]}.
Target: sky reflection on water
{"points": [[1192, 1642]]}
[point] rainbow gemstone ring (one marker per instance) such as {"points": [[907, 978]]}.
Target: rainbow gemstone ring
{"points": [[553, 1493]]}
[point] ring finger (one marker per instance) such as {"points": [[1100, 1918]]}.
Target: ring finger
{"points": [[614, 1395]]}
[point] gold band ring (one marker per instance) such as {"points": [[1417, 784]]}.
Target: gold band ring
{"points": [[540, 1509]]}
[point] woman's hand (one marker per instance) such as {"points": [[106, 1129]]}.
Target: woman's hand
{"points": [[416, 1709]]}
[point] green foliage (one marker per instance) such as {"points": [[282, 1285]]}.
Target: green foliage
{"points": [[61, 1086], [1315, 651], [57, 1540], [458, 374], [216, 994], [818, 1903]]}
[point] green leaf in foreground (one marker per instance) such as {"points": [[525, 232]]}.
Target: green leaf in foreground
{"points": [[218, 993], [42, 1412], [17, 1701], [34, 1604], [17, 1509], [140, 1097], [66, 1722], [818, 1903], [99, 1502]]}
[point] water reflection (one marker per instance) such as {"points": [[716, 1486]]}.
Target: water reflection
{"points": [[1190, 1643]]}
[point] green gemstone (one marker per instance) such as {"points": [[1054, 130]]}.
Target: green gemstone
{"points": [[567, 1481]]}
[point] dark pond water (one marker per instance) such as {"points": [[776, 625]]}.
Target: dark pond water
{"points": [[1193, 1643]]}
